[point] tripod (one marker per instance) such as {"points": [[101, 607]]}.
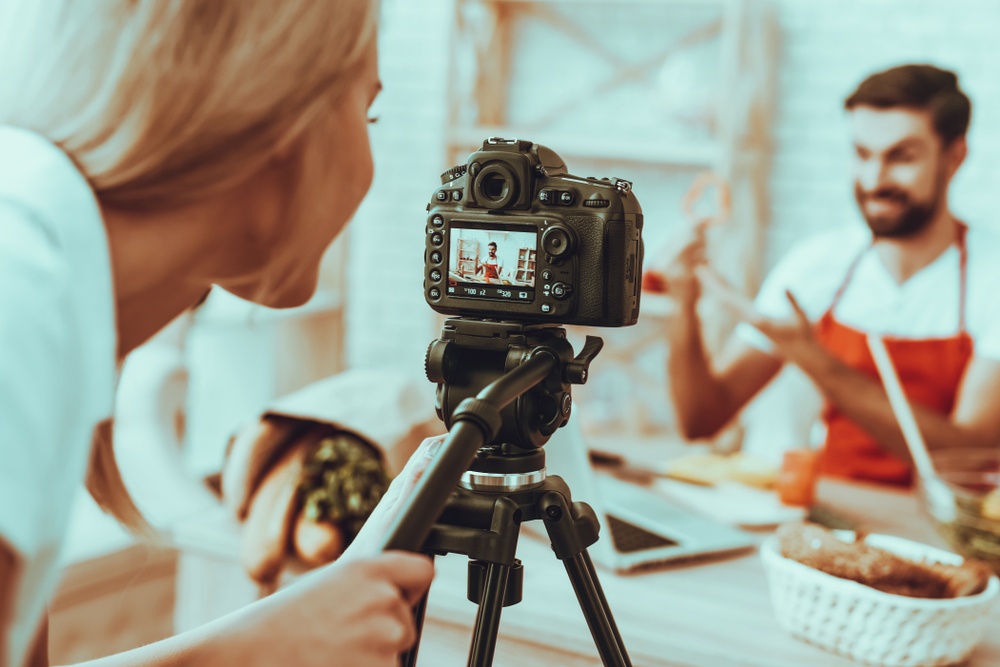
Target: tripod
{"points": [[511, 383], [482, 521]]}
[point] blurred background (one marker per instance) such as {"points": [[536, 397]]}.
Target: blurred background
{"points": [[653, 91]]}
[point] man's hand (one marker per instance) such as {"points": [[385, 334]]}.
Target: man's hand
{"points": [[792, 336], [679, 276]]}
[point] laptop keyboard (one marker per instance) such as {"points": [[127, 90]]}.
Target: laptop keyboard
{"points": [[628, 537]]}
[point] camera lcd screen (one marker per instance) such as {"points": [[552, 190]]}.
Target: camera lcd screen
{"points": [[492, 263]]}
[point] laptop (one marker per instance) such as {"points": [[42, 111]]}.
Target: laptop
{"points": [[639, 528]]}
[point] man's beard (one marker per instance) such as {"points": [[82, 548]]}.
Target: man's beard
{"points": [[911, 218]]}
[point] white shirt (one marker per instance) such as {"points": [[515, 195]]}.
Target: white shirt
{"points": [[57, 358], [924, 306]]}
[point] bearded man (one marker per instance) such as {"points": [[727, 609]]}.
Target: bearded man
{"points": [[916, 276]]}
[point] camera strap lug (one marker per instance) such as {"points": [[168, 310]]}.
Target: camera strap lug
{"points": [[622, 185]]}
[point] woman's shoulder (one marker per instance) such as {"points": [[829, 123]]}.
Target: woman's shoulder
{"points": [[54, 247], [39, 179]]}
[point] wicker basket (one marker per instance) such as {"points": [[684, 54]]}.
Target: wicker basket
{"points": [[870, 626]]}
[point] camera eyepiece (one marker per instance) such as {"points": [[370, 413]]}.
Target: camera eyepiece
{"points": [[495, 185]]}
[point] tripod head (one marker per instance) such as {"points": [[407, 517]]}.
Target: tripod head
{"points": [[503, 390], [472, 354]]}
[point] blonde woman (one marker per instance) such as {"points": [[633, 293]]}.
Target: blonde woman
{"points": [[148, 150]]}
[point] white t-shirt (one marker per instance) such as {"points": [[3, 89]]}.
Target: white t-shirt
{"points": [[57, 358], [924, 306]]}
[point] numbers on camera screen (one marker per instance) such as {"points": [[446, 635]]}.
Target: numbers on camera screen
{"points": [[491, 293]]}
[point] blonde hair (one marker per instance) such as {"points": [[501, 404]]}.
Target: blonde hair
{"points": [[162, 103]]}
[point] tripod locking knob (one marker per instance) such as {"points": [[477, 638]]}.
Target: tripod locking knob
{"points": [[578, 369]]}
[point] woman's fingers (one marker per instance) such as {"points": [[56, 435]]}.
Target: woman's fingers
{"points": [[410, 573], [317, 542], [269, 517]]}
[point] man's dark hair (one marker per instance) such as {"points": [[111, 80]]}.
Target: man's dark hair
{"points": [[921, 87], [491, 243]]}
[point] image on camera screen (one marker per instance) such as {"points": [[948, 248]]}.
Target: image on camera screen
{"points": [[492, 263]]}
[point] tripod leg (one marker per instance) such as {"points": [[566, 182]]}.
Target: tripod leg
{"points": [[484, 636], [595, 609], [589, 564]]}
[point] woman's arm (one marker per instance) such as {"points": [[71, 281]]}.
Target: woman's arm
{"points": [[9, 574], [356, 611]]}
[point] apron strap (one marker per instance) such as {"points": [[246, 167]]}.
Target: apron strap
{"points": [[963, 270], [847, 279]]}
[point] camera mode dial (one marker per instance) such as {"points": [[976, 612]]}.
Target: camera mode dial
{"points": [[557, 242]]}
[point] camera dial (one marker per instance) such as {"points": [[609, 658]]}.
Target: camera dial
{"points": [[557, 242]]}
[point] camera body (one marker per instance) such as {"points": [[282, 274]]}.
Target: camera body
{"points": [[511, 236]]}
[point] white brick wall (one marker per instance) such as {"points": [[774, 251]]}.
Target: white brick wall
{"points": [[826, 48], [388, 322]]}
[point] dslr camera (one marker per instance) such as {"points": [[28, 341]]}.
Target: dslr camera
{"points": [[512, 236]]}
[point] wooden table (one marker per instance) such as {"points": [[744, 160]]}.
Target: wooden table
{"points": [[713, 613]]}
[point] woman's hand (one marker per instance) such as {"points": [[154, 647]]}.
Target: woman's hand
{"points": [[356, 611], [353, 612]]}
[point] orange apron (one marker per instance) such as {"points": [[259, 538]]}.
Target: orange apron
{"points": [[929, 369], [490, 271]]}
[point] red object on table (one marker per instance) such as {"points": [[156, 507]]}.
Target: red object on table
{"points": [[796, 483]]}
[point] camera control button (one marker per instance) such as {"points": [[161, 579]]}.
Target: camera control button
{"points": [[456, 195], [436, 257], [546, 275], [561, 290], [545, 196], [437, 221], [442, 195], [566, 197], [435, 275], [434, 293], [437, 238], [547, 308]]}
